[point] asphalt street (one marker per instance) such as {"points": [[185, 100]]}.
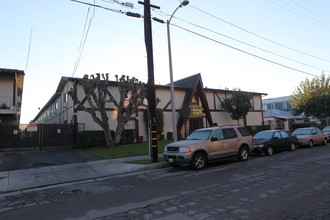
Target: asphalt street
{"points": [[290, 185]]}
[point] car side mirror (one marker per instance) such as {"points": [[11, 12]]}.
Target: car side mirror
{"points": [[214, 139]]}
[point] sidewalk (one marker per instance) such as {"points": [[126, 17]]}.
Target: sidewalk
{"points": [[18, 180]]}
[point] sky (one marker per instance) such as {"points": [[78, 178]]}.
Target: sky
{"points": [[265, 46]]}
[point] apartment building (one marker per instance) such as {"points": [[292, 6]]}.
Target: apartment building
{"points": [[205, 102], [11, 91]]}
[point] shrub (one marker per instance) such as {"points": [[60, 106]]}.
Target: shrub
{"points": [[299, 125], [96, 138], [159, 120], [256, 128], [169, 135], [90, 139]]}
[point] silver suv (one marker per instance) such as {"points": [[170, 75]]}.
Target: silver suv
{"points": [[207, 144]]}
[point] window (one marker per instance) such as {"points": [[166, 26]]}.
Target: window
{"points": [[218, 134], [130, 125], [244, 131], [277, 135], [56, 106], [284, 134], [317, 130], [285, 105], [229, 133], [65, 97]]}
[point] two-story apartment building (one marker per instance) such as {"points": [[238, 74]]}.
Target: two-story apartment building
{"points": [[188, 92], [11, 91]]}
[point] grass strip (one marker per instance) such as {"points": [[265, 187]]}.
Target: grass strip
{"points": [[129, 150]]}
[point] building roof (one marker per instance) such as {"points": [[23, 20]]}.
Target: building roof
{"points": [[11, 71], [276, 100], [276, 113]]}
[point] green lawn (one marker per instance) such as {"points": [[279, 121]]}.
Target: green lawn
{"points": [[128, 150]]}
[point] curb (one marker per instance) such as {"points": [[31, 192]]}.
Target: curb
{"points": [[147, 167]]}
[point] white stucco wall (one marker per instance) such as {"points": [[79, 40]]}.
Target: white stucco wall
{"points": [[220, 117]]}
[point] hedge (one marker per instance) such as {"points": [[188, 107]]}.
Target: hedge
{"points": [[256, 128], [96, 138]]}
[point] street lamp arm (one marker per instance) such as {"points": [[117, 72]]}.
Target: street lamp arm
{"points": [[184, 3]]}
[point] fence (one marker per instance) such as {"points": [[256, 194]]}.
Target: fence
{"points": [[41, 135]]}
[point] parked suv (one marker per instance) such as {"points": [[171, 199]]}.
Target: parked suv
{"points": [[207, 144]]}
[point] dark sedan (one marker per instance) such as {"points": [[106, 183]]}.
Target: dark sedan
{"points": [[273, 140]]}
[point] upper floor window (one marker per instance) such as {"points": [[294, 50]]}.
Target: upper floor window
{"points": [[285, 105], [65, 97]]}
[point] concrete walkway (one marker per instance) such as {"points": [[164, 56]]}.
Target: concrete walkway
{"points": [[27, 179]]}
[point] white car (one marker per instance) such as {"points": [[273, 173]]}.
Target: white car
{"points": [[310, 136]]}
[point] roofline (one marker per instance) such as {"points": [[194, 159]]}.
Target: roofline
{"points": [[3, 70]]}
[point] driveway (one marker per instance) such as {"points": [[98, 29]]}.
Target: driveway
{"points": [[16, 160]]}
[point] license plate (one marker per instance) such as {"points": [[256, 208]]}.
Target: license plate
{"points": [[170, 160]]}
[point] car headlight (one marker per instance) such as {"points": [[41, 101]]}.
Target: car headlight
{"points": [[185, 149], [259, 145]]}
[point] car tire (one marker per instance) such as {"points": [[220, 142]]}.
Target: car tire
{"points": [[175, 165], [269, 151], [324, 142], [198, 161], [243, 154], [292, 147], [310, 144]]}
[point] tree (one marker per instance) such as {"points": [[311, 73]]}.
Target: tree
{"points": [[312, 97], [132, 93], [238, 105], [159, 119]]}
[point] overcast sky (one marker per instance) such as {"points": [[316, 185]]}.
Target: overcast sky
{"points": [[266, 46]]}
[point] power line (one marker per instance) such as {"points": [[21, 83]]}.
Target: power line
{"points": [[83, 40], [299, 13], [98, 6], [30, 40], [311, 12], [257, 35], [242, 42], [240, 50]]}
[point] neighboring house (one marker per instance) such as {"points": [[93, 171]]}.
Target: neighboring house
{"points": [[206, 105], [277, 113], [280, 103], [11, 91]]}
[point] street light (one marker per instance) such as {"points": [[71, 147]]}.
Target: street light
{"points": [[175, 133]]}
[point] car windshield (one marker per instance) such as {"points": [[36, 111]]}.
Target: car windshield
{"points": [[302, 132], [263, 135], [326, 129], [199, 135]]}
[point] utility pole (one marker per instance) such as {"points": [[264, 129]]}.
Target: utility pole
{"points": [[151, 96]]}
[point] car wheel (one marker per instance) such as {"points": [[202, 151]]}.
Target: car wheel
{"points": [[269, 151], [310, 143], [292, 147], [243, 154], [198, 161], [324, 142], [175, 165]]}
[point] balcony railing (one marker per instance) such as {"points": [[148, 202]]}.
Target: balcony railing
{"points": [[6, 100], [6, 105]]}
